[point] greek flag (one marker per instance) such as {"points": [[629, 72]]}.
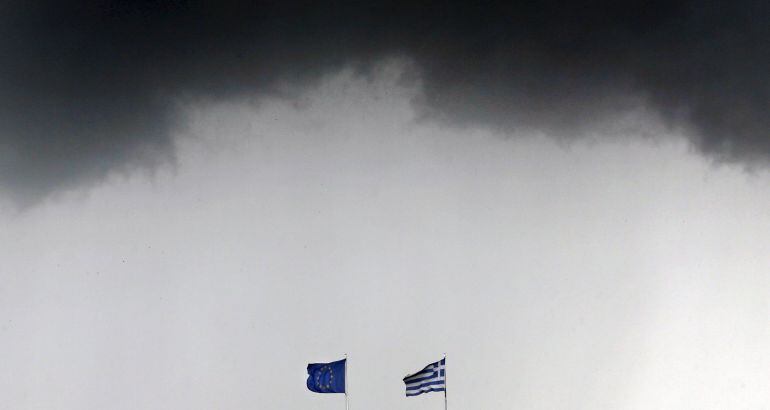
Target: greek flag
{"points": [[431, 378]]}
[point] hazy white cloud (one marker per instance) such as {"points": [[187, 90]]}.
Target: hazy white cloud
{"points": [[627, 274]]}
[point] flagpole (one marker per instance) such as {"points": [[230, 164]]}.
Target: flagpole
{"points": [[445, 379], [346, 382]]}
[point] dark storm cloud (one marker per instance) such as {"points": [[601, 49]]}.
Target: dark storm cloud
{"points": [[86, 88]]}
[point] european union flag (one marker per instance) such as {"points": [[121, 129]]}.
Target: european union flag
{"points": [[326, 377]]}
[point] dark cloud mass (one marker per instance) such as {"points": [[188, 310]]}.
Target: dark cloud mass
{"points": [[90, 87]]}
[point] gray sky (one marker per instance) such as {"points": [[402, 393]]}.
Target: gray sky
{"points": [[620, 273], [93, 87]]}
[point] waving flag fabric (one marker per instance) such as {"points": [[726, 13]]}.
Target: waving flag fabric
{"points": [[326, 377], [431, 378]]}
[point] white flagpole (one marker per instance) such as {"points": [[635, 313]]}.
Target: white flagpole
{"points": [[346, 382], [445, 380]]}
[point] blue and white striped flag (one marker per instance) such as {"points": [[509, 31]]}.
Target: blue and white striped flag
{"points": [[431, 378]]}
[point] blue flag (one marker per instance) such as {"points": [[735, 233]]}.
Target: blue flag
{"points": [[326, 377]]}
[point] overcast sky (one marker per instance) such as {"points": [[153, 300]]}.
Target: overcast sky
{"points": [[627, 274], [577, 214]]}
